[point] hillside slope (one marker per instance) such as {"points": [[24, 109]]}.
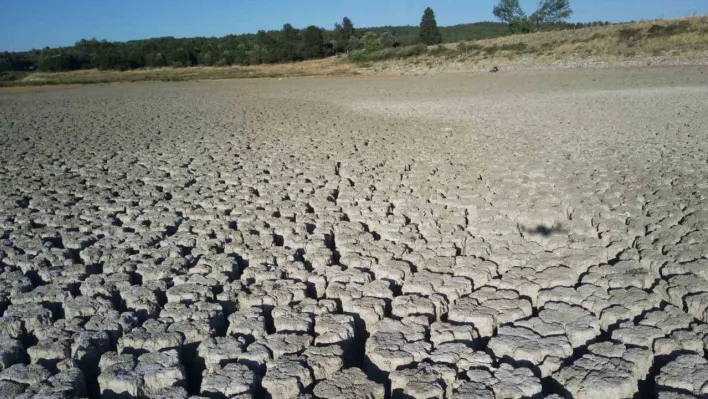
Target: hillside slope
{"points": [[654, 42]]}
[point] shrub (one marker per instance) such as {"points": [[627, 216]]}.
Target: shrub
{"points": [[371, 42], [518, 47], [629, 34], [410, 51], [549, 45], [387, 54], [354, 44], [669, 30], [521, 25], [656, 30], [386, 40], [595, 36], [463, 47], [678, 27], [491, 50], [438, 50]]}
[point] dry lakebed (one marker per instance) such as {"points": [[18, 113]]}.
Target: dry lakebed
{"points": [[524, 234]]}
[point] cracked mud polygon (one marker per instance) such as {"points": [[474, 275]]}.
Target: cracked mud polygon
{"points": [[522, 234]]}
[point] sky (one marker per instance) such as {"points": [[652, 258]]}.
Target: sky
{"points": [[28, 24]]}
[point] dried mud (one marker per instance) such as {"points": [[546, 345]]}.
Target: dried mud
{"points": [[520, 234]]}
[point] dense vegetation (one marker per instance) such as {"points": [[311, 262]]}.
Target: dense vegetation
{"points": [[286, 45]]}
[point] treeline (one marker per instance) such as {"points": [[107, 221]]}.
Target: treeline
{"points": [[286, 45]]}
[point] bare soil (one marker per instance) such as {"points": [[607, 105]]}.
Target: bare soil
{"points": [[519, 234]]}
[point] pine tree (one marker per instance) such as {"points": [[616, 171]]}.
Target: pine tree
{"points": [[312, 43], [429, 32], [343, 33]]}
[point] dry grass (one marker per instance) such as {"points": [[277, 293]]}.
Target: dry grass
{"points": [[666, 37], [325, 67], [685, 39]]}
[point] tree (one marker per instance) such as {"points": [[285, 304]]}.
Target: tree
{"points": [[179, 58], [348, 27], [429, 32], [267, 52], [58, 62], [509, 11], [290, 43], [342, 33], [312, 43], [551, 12], [371, 42], [521, 25], [134, 60], [206, 58], [5, 62], [155, 60], [386, 40], [354, 44]]}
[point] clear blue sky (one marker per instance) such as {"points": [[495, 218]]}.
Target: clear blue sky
{"points": [[27, 24]]}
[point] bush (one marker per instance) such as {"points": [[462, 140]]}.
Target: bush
{"points": [[463, 47], [549, 45], [656, 30], [410, 51], [354, 44], [629, 34], [669, 30], [491, 50], [518, 47], [387, 54], [595, 36], [11, 76], [386, 40], [439, 50], [521, 25]]}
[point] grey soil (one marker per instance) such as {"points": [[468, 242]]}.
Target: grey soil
{"points": [[509, 235]]}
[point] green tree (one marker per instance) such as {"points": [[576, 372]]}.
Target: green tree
{"points": [[343, 33], [387, 40], [179, 58], [429, 32], [370, 42], [5, 62], [267, 47], [521, 25], [348, 27], [155, 60], [57, 62], [551, 12], [135, 60], [206, 58], [354, 44], [312, 43], [509, 11], [288, 49]]}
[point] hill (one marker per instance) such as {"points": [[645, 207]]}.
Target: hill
{"points": [[663, 41], [660, 41]]}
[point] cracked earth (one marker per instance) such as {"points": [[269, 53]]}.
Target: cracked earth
{"points": [[529, 234]]}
